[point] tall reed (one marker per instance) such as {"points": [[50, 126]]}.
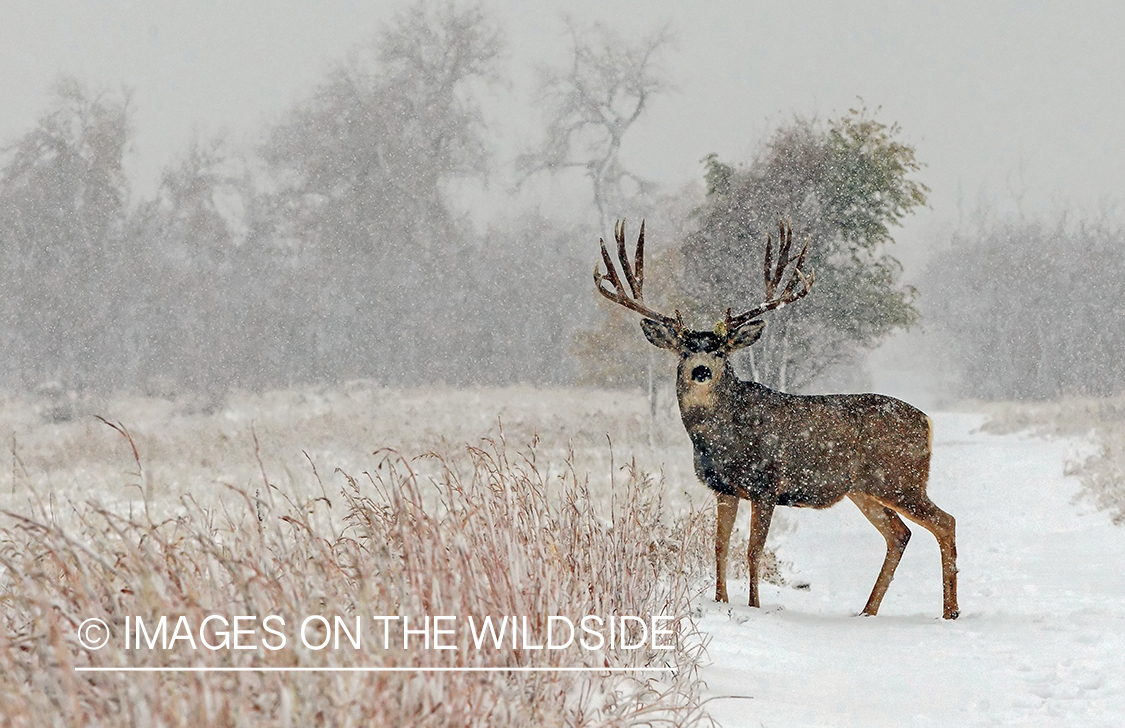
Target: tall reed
{"points": [[481, 533]]}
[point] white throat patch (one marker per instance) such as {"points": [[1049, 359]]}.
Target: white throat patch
{"points": [[695, 394]]}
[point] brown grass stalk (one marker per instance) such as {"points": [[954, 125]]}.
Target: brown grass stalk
{"points": [[483, 533]]}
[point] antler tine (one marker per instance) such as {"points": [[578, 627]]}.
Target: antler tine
{"points": [[766, 274], [799, 274], [619, 233], [633, 276], [773, 279], [611, 269], [785, 234], [803, 253], [639, 260]]}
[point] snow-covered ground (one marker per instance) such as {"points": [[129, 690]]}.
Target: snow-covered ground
{"points": [[1040, 640]]}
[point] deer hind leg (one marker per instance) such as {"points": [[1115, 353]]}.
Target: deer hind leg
{"points": [[760, 518], [727, 510], [897, 536], [943, 526]]}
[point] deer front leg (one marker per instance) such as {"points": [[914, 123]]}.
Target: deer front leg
{"points": [[760, 516], [727, 510]]}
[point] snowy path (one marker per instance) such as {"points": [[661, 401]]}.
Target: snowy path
{"points": [[1040, 641]]}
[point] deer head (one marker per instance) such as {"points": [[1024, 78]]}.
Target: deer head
{"points": [[704, 354]]}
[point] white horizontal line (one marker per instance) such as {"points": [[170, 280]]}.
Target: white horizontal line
{"points": [[374, 669]]}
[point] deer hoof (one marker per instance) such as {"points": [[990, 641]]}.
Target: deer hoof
{"points": [[954, 614]]}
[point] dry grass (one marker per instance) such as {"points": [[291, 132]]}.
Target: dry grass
{"points": [[480, 531], [186, 449], [1103, 474]]}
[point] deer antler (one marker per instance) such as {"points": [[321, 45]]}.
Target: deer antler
{"points": [[634, 277], [774, 278]]}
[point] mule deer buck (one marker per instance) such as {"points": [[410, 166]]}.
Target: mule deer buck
{"points": [[777, 449]]}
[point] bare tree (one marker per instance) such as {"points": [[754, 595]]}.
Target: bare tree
{"points": [[377, 140], [62, 202], [593, 103], [364, 163]]}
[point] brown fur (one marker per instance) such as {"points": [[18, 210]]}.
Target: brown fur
{"points": [[771, 448]]}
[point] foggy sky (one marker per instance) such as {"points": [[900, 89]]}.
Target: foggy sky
{"points": [[1012, 103]]}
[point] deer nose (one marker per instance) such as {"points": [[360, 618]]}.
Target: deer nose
{"points": [[701, 374]]}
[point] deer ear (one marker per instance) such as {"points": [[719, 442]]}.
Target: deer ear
{"points": [[660, 334], [745, 335]]}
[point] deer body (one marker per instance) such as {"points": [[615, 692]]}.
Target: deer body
{"points": [[776, 449], [803, 451]]}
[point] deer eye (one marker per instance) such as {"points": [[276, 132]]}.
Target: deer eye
{"points": [[701, 374]]}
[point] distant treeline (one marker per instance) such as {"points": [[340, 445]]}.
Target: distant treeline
{"points": [[330, 251], [1027, 309], [327, 253]]}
